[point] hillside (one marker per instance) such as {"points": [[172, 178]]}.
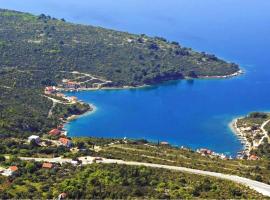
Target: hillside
{"points": [[45, 43]]}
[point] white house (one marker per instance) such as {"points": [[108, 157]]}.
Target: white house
{"points": [[10, 171], [36, 138]]}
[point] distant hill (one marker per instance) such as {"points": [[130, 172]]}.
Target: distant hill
{"points": [[49, 44]]}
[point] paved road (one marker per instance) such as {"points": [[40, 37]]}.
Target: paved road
{"points": [[255, 185]]}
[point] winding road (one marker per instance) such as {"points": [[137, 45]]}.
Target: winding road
{"points": [[264, 132], [255, 185]]}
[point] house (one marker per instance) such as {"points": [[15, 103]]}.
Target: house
{"points": [[65, 142], [47, 165], [65, 80], [50, 90], [71, 84], [253, 157], [204, 152], [36, 138], [10, 171], [60, 95], [74, 162], [164, 143], [55, 132]]}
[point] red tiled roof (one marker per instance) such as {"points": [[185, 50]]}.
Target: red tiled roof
{"points": [[64, 141], [71, 83], [13, 168], [47, 165], [54, 132], [253, 157]]}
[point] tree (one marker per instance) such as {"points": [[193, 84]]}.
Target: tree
{"points": [[153, 46], [30, 167], [192, 74], [2, 158]]}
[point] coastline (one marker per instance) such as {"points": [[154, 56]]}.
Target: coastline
{"points": [[91, 111], [240, 135], [74, 117], [239, 72]]}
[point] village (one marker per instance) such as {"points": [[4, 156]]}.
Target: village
{"points": [[252, 133]]}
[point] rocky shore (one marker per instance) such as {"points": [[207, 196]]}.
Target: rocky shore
{"points": [[242, 137]]}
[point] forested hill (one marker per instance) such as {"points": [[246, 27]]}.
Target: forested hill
{"points": [[48, 44]]}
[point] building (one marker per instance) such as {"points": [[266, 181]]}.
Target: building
{"points": [[10, 171], [55, 132], [71, 84], [74, 162], [47, 165], [60, 95], [164, 143], [253, 157], [50, 90], [65, 142], [36, 138], [204, 152], [65, 80]]}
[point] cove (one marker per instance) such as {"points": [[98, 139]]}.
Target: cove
{"points": [[190, 113]]}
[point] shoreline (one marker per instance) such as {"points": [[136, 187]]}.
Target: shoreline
{"points": [[74, 117], [239, 72], [240, 135]]}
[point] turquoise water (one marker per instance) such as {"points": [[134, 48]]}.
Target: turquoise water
{"points": [[190, 113]]}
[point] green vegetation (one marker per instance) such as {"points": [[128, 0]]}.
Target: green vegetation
{"points": [[49, 44], [100, 181], [153, 153], [40, 51]]}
